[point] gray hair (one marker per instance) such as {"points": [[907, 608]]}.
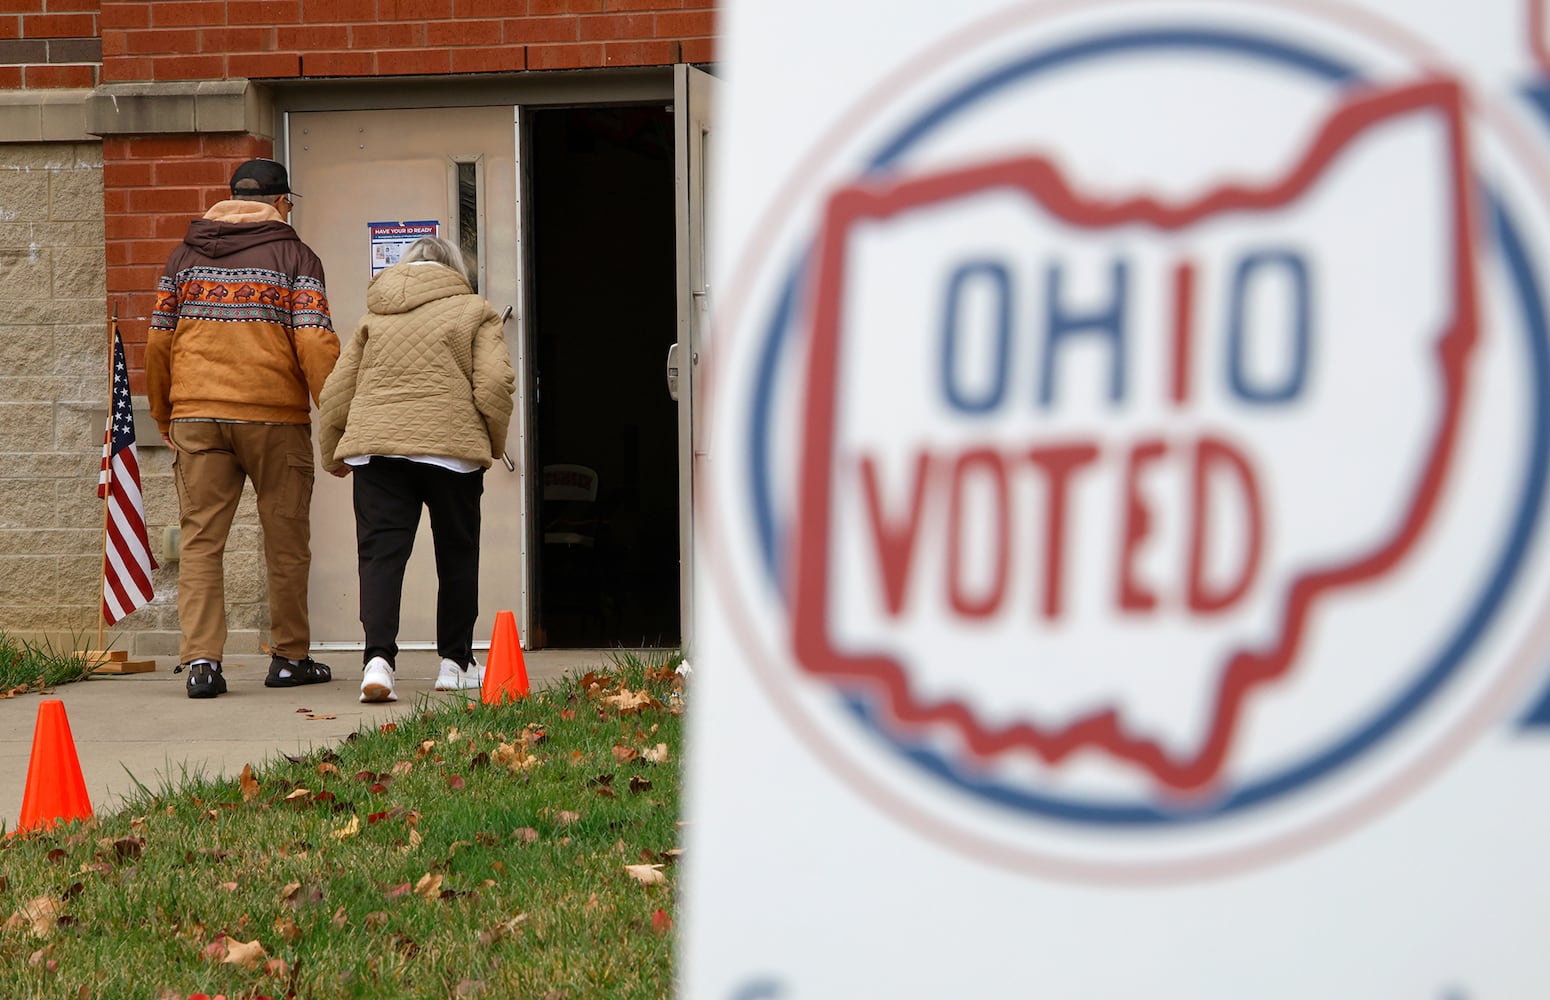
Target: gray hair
{"points": [[437, 251]]}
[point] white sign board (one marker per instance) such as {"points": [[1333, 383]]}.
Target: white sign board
{"points": [[389, 240], [1122, 531]]}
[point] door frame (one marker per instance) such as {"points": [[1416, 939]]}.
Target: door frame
{"points": [[678, 87]]}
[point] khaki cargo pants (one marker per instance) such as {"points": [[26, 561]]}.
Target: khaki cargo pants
{"points": [[211, 463]]}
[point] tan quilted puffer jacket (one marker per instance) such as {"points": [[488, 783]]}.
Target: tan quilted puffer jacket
{"points": [[427, 373]]}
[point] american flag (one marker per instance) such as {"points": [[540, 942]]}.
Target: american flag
{"points": [[126, 557]]}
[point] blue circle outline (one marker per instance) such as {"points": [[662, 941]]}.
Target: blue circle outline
{"points": [[1529, 300]]}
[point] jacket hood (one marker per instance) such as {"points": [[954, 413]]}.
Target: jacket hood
{"points": [[215, 238], [403, 287]]}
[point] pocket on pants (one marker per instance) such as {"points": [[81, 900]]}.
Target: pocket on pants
{"points": [[296, 501]]}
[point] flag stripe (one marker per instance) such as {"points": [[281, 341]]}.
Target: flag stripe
{"points": [[126, 550]]}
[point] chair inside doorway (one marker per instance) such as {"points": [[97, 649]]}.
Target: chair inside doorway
{"points": [[573, 597]]}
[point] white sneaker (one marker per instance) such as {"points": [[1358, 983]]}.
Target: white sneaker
{"points": [[377, 685], [455, 678]]}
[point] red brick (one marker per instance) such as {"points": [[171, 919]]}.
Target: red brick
{"points": [[160, 199], [312, 37], [387, 36], [88, 5], [506, 58], [417, 10], [207, 67], [264, 65], [122, 68], [585, 55], [181, 42], [116, 228], [698, 50], [540, 7], [114, 148], [663, 53], [234, 147], [114, 42], [623, 5], [10, 27], [405, 62], [690, 24], [263, 12], [155, 148], [489, 8], [519, 31], [338, 63], [127, 173], [132, 277], [171, 226], [598, 27], [59, 26], [44, 77], [330, 11], [226, 40], [188, 12], [461, 32], [126, 15], [187, 173], [10, 78], [21, 6], [144, 252]]}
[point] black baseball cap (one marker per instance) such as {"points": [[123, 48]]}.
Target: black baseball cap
{"points": [[261, 177]]}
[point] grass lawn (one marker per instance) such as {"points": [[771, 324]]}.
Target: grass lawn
{"points": [[466, 850], [26, 666]]}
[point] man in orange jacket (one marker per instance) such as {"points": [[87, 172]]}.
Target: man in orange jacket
{"points": [[239, 347]]}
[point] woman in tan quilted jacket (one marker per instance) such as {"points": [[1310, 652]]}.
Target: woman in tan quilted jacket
{"points": [[417, 409]]}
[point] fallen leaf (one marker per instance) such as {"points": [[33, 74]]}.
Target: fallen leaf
{"points": [[628, 702], [468, 988], [646, 874], [428, 887], [277, 968], [565, 817], [657, 754], [326, 768], [249, 954], [315, 717], [300, 793], [525, 834], [347, 831], [661, 922], [228, 886], [388, 727], [249, 783], [402, 889], [639, 784], [287, 929], [341, 919], [403, 767], [452, 734], [457, 781], [41, 914], [624, 754]]}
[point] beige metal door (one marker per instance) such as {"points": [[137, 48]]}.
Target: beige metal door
{"points": [[456, 166]]}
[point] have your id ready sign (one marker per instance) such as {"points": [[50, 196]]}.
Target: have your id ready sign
{"points": [[1122, 546]]}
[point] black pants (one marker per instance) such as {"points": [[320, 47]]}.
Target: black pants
{"points": [[389, 493]]}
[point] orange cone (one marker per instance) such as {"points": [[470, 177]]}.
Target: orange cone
{"points": [[56, 790], [505, 674]]}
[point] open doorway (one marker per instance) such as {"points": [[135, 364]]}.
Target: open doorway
{"points": [[603, 318]]}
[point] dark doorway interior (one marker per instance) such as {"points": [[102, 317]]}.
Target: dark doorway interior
{"points": [[604, 308]]}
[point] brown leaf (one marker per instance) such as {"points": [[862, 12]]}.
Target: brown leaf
{"points": [[525, 834], [402, 889], [249, 783], [300, 793], [287, 929], [347, 831], [428, 887], [468, 988], [402, 768], [248, 954], [316, 717], [657, 754], [646, 874], [228, 886], [277, 968], [629, 702], [639, 784], [565, 817], [40, 915], [457, 782], [325, 769], [624, 754]]}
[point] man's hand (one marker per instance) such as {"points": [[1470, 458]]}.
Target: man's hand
{"points": [[341, 472]]}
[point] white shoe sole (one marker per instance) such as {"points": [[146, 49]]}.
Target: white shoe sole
{"points": [[377, 693], [459, 684]]}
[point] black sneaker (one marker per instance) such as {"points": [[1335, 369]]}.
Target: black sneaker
{"points": [[205, 680], [285, 673]]}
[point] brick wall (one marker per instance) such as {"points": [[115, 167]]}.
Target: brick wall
{"points": [[274, 39], [49, 43]]}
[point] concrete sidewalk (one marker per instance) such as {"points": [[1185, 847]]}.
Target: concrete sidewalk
{"points": [[143, 727]]}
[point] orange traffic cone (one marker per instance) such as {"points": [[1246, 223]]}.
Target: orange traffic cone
{"points": [[505, 674], [56, 790]]}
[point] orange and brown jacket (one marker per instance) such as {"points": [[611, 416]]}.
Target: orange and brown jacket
{"points": [[241, 329]]}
